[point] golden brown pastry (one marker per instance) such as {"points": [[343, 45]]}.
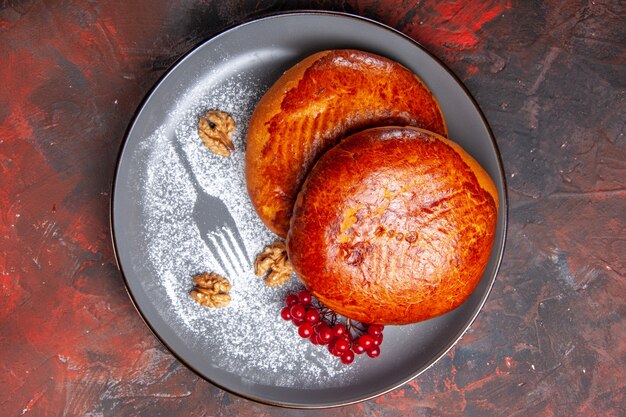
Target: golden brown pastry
{"points": [[311, 107], [393, 226]]}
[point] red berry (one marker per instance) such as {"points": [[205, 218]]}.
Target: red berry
{"points": [[296, 321], [341, 344], [312, 316], [304, 297], [356, 348], [305, 330], [324, 334], [373, 352], [297, 311], [378, 339], [285, 314], [291, 299], [375, 329], [347, 357], [315, 339], [366, 340], [333, 351], [339, 330]]}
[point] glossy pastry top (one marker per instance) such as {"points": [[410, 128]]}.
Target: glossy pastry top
{"points": [[393, 226], [311, 107]]}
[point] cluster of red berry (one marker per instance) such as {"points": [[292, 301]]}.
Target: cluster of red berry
{"points": [[321, 326]]}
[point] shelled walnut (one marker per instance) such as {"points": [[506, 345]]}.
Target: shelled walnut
{"points": [[273, 261], [216, 130], [211, 290]]}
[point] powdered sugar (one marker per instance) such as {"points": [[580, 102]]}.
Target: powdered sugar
{"points": [[247, 338]]}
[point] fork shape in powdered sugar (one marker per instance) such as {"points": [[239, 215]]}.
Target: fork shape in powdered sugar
{"points": [[216, 225]]}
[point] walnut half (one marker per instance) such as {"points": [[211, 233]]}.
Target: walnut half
{"points": [[216, 131], [273, 262], [210, 290]]}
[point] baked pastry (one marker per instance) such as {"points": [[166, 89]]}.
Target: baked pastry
{"points": [[393, 226], [311, 107]]}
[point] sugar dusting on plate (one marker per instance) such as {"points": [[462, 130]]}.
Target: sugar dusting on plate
{"points": [[248, 337]]}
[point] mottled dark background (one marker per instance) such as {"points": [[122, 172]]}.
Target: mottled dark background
{"points": [[550, 76]]}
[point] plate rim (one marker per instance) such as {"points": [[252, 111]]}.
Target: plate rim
{"points": [[504, 209]]}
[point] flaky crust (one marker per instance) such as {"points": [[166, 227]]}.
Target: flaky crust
{"points": [[393, 226], [311, 107]]}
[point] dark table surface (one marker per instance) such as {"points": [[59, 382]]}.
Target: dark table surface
{"points": [[550, 76]]}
